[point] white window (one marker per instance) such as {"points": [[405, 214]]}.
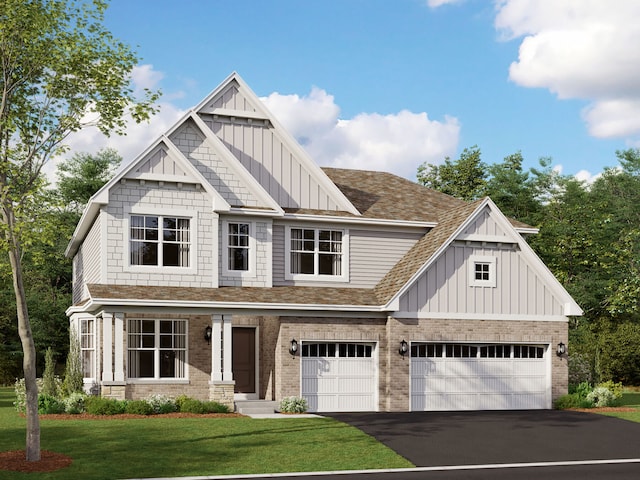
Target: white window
{"points": [[316, 252], [482, 271], [159, 241], [157, 349], [239, 248], [88, 347]]}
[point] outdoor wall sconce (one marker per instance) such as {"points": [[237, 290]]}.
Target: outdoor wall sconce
{"points": [[404, 347], [207, 334], [561, 350], [293, 349]]}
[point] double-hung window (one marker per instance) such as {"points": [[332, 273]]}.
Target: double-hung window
{"points": [[238, 236], [316, 252], [157, 349], [163, 241], [88, 347]]}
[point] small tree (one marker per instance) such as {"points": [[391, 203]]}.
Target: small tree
{"points": [[49, 386], [73, 376]]}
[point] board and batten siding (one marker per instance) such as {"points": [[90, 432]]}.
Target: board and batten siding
{"points": [[271, 162], [87, 261], [445, 286], [371, 255]]}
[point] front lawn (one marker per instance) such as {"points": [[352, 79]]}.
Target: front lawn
{"points": [[629, 400], [164, 447]]}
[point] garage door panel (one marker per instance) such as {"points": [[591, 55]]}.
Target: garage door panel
{"points": [[477, 383], [342, 380]]}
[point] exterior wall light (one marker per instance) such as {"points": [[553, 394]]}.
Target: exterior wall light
{"points": [[404, 348], [561, 350], [207, 334], [293, 349]]}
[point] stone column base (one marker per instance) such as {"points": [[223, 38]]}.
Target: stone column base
{"points": [[222, 392], [117, 391]]}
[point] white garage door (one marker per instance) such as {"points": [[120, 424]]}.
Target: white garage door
{"points": [[338, 377], [479, 377]]}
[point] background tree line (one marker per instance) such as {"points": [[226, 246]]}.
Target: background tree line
{"points": [[47, 272], [589, 237]]}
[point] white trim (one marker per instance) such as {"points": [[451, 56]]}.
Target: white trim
{"points": [[107, 347], [475, 237], [482, 260], [137, 210], [316, 277], [358, 220], [252, 247], [479, 316]]}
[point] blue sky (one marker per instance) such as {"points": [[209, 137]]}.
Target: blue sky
{"points": [[386, 84]]}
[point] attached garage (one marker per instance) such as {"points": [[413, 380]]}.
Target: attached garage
{"points": [[449, 376], [339, 377]]}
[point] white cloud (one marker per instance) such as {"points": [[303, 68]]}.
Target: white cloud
{"points": [[396, 143], [584, 49], [439, 3], [144, 76]]}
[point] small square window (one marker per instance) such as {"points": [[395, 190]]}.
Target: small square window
{"points": [[482, 271]]}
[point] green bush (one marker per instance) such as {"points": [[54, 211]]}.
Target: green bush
{"points": [[613, 387], [572, 400], [74, 403], [190, 405], [138, 407], [293, 405], [162, 404], [601, 397], [49, 404], [49, 384], [104, 406]]}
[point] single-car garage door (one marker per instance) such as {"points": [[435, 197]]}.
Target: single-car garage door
{"points": [[479, 377], [338, 377]]}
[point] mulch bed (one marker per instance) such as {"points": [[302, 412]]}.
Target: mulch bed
{"points": [[16, 461], [126, 416], [605, 409]]}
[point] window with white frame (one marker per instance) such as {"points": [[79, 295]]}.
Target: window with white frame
{"points": [[157, 349], [316, 252], [159, 241], [482, 271], [88, 347], [238, 246]]}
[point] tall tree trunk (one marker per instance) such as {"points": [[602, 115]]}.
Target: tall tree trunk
{"points": [[26, 337]]}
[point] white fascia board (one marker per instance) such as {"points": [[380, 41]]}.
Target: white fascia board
{"points": [[358, 220], [234, 164], [219, 204], [82, 228], [96, 303], [527, 231], [254, 212], [289, 141], [452, 316], [394, 301], [570, 306]]}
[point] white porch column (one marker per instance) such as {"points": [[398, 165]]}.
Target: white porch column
{"points": [[107, 347], [119, 347], [216, 348], [227, 374]]}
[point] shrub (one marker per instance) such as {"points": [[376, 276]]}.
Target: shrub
{"points": [[49, 385], [190, 405], [614, 388], [161, 404], [601, 397], [138, 407], [179, 400], [104, 406], [572, 400], [293, 405], [74, 403], [73, 377], [49, 404]]}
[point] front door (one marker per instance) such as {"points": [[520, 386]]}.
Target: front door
{"points": [[244, 360]]}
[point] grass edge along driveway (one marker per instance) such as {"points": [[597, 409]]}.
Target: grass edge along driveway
{"points": [[159, 447]]}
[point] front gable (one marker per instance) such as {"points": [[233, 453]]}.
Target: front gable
{"points": [[484, 270]]}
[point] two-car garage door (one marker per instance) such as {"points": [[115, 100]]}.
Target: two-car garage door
{"points": [[479, 377]]}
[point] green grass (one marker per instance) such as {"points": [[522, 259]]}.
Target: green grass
{"points": [[629, 399], [164, 447]]}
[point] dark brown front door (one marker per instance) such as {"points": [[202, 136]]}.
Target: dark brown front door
{"points": [[244, 360]]}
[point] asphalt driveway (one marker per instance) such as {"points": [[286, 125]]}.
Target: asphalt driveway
{"points": [[430, 439]]}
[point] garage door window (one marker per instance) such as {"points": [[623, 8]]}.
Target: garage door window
{"points": [[340, 350], [452, 350]]}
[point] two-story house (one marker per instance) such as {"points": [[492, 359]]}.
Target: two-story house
{"points": [[223, 263]]}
